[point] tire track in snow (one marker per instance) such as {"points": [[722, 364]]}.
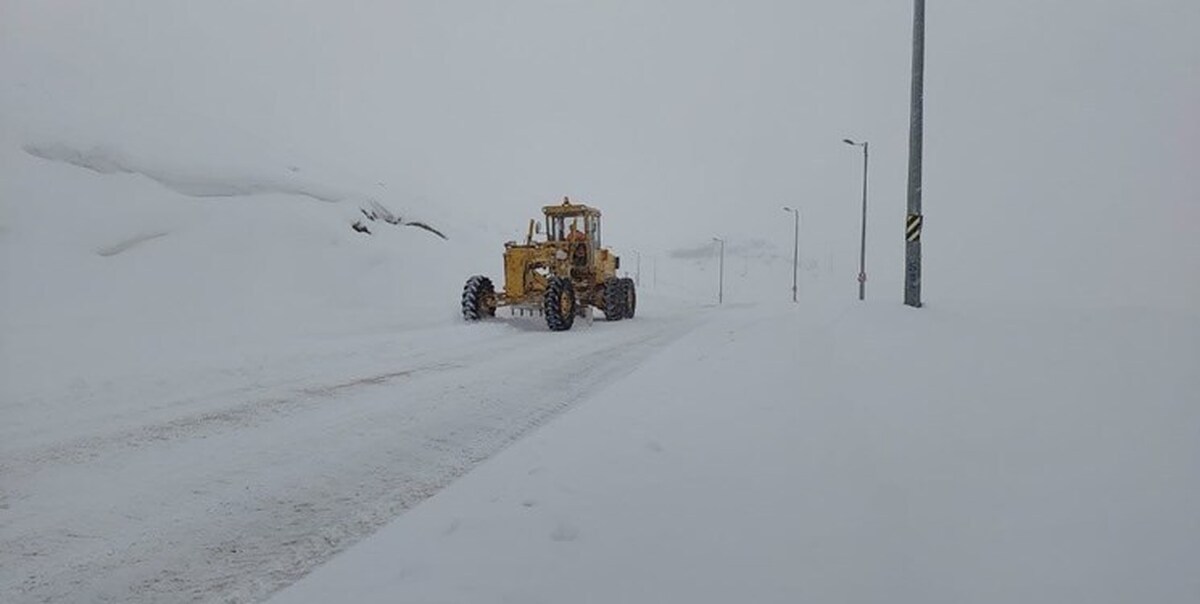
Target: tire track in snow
{"points": [[242, 415], [132, 242]]}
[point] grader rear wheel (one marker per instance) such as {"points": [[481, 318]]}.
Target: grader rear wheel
{"points": [[629, 297], [613, 298], [559, 304]]}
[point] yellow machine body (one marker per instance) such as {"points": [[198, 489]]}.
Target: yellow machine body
{"points": [[567, 244], [559, 272]]}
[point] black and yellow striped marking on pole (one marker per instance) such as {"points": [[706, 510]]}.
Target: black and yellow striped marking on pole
{"points": [[912, 229]]}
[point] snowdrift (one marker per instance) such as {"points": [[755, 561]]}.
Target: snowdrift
{"points": [[116, 268]]}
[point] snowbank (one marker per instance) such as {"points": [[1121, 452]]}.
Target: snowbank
{"points": [[119, 280]]}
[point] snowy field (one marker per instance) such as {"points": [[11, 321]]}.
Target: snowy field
{"points": [[839, 454], [214, 387], [827, 451]]}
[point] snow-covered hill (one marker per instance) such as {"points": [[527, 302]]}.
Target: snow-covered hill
{"points": [[115, 273]]}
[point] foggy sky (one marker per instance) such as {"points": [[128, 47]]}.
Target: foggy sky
{"points": [[1062, 138]]}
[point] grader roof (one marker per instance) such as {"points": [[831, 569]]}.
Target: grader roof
{"points": [[566, 208]]}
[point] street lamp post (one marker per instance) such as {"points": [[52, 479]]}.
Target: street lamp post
{"points": [[721, 273], [916, 141], [795, 252], [862, 244], [637, 273]]}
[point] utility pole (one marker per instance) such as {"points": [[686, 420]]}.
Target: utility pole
{"points": [[862, 242], [795, 252], [721, 273], [913, 222]]}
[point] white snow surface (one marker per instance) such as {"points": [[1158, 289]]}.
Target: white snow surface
{"points": [[205, 396], [210, 386], [839, 454]]}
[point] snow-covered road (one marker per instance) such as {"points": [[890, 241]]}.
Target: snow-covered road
{"points": [[236, 485], [830, 452]]}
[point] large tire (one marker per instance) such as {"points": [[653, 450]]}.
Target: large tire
{"points": [[478, 298], [629, 296], [559, 304], [613, 297]]}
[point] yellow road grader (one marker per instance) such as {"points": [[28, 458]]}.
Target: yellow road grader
{"points": [[560, 272]]}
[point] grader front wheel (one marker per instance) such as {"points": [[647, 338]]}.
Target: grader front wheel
{"points": [[478, 298], [559, 304]]}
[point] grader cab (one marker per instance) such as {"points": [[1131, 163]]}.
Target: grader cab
{"points": [[559, 271]]}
